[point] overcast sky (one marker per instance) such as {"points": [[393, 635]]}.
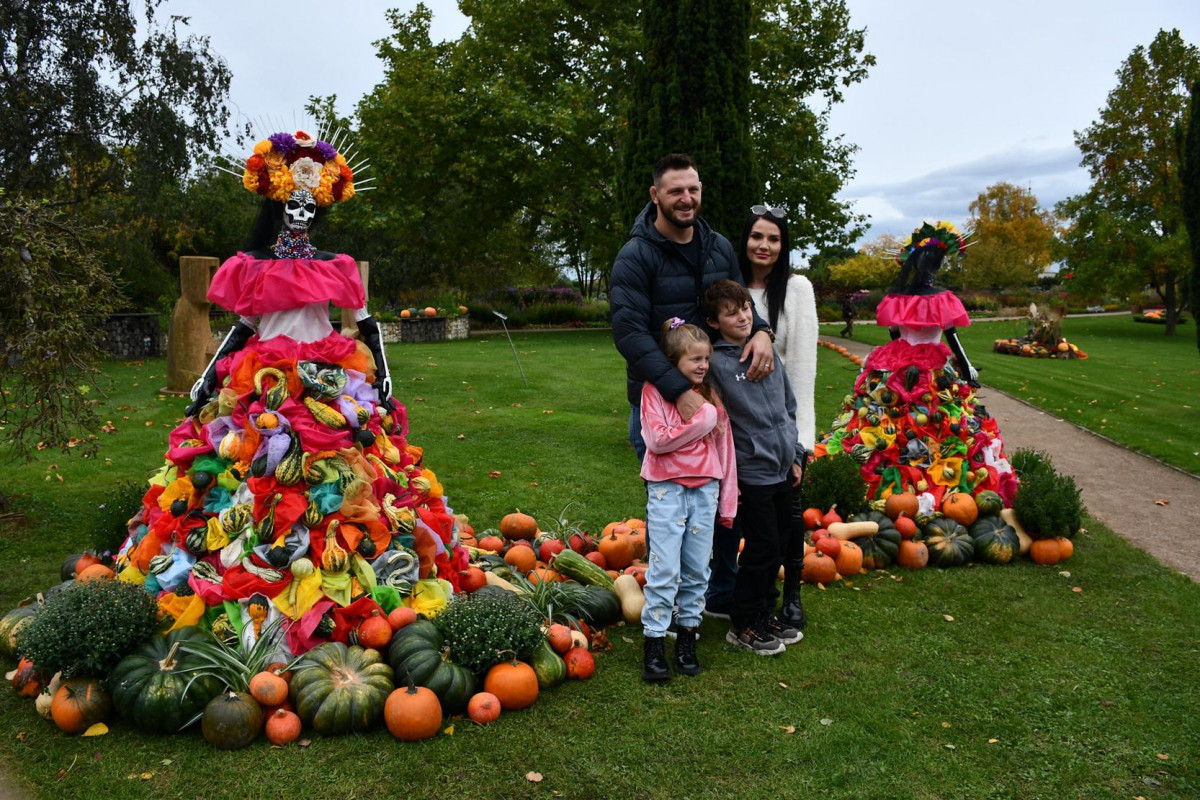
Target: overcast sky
{"points": [[955, 103]]}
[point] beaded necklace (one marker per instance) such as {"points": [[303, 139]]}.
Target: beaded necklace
{"points": [[293, 244]]}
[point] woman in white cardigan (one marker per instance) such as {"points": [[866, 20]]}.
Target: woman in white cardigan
{"points": [[787, 302]]}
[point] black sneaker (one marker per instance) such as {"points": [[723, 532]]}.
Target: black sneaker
{"points": [[752, 637], [716, 612], [782, 631]]}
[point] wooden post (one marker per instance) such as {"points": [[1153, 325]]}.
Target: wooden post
{"points": [[190, 340]]}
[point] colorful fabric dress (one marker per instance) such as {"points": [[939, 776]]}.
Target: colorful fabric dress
{"points": [[912, 421], [295, 495]]}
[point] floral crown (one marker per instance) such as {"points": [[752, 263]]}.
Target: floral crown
{"points": [[284, 162], [941, 234]]}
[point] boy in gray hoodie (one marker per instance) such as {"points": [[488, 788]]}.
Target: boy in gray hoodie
{"points": [[762, 416]]}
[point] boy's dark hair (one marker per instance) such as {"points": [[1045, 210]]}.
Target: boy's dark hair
{"points": [[721, 293], [673, 161]]}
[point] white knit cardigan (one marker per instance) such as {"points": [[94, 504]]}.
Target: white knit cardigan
{"points": [[796, 343]]}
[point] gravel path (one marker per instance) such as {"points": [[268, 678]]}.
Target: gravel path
{"points": [[1152, 505]]}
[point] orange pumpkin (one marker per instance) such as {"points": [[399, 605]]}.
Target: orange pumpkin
{"points": [[522, 559], [268, 688], [961, 508], [283, 727], [471, 579], [901, 503], [559, 636], [518, 526], [79, 704], [849, 560], [374, 632], [597, 558], [430, 311], [906, 527], [543, 575], [405, 314], [914, 555], [580, 663], [27, 679], [483, 707], [401, 616], [617, 549], [279, 668], [96, 572], [1045, 552], [637, 542], [819, 568], [492, 544], [514, 683], [413, 714], [1066, 548], [636, 524]]}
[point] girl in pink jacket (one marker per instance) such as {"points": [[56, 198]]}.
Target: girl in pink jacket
{"points": [[691, 480]]}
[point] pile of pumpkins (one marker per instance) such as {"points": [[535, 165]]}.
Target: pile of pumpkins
{"points": [[891, 531], [336, 688], [1031, 348]]}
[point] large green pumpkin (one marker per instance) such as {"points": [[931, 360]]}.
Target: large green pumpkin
{"points": [[416, 650], [599, 607], [150, 686], [988, 503], [996, 541], [11, 624], [949, 543], [338, 689], [880, 549]]}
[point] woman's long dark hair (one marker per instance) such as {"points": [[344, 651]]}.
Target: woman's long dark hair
{"points": [[777, 280], [918, 272]]}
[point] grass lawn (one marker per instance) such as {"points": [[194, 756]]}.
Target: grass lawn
{"points": [[1075, 681], [1137, 386]]}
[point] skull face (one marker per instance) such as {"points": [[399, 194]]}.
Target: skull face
{"points": [[299, 210]]}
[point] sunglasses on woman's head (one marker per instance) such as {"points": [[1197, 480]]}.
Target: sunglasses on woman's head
{"points": [[777, 213]]}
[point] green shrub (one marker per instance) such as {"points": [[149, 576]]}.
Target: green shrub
{"points": [[87, 628], [1047, 502], [108, 524], [486, 628], [834, 480]]}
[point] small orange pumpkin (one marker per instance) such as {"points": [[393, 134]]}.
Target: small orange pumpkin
{"points": [[914, 555], [79, 704], [268, 689], [522, 559], [374, 632], [283, 727], [819, 568], [901, 503], [518, 526], [413, 714], [492, 544], [559, 636], [1045, 552], [514, 683], [483, 707], [617, 549], [849, 560], [95, 572], [1066, 548], [961, 508], [401, 616], [27, 679], [906, 526], [580, 663]]}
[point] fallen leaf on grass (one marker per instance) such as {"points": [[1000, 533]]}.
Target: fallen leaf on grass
{"points": [[948, 746], [516, 405], [533, 777], [148, 423], [783, 685], [826, 721], [495, 473], [1065, 574], [948, 618], [166, 762], [945, 724], [20, 736], [449, 730], [304, 742], [788, 728], [1162, 501], [462, 436], [1163, 756], [146, 776], [1076, 589], [992, 741], [533, 483], [99, 729]]}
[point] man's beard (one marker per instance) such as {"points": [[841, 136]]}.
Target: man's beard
{"points": [[671, 218]]}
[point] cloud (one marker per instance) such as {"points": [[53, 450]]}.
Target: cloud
{"points": [[947, 192]]}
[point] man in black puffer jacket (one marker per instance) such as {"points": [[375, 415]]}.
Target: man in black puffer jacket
{"points": [[661, 272]]}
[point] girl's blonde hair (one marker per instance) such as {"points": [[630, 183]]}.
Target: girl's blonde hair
{"points": [[676, 339]]}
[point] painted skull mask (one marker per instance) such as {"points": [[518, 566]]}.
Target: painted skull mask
{"points": [[299, 211]]}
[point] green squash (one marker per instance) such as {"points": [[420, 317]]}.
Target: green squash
{"points": [[150, 686], [338, 689], [231, 721], [598, 606], [550, 668], [11, 624], [989, 503], [416, 650], [996, 542], [879, 549], [949, 543]]}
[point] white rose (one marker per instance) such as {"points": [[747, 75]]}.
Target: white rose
{"points": [[306, 173]]}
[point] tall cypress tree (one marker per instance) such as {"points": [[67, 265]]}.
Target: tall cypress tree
{"points": [[691, 95], [1190, 178]]}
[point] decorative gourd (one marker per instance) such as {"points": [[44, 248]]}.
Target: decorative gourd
{"points": [[283, 727], [989, 503], [231, 721], [416, 651], [150, 687], [1045, 551], [879, 550], [559, 637], [995, 540], [12, 624], [912, 554], [334, 559], [483, 708], [79, 704], [819, 568], [949, 543], [514, 683], [518, 526], [27, 679], [581, 665], [548, 665], [849, 560], [960, 507], [582, 570], [633, 600], [290, 469], [339, 689], [412, 713], [901, 503], [269, 689]]}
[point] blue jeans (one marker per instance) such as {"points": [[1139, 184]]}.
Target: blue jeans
{"points": [[682, 520], [635, 433]]}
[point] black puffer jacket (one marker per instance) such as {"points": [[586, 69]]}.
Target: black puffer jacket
{"points": [[652, 282]]}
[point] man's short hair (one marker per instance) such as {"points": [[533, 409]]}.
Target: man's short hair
{"points": [[721, 293], [673, 161]]}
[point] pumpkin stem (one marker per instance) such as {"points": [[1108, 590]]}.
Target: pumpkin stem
{"points": [[169, 663], [412, 687]]}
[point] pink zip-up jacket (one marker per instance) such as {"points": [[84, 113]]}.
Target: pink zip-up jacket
{"points": [[702, 447]]}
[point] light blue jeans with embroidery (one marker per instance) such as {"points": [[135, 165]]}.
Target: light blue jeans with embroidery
{"points": [[679, 525]]}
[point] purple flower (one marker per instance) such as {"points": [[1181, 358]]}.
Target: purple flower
{"points": [[326, 150], [284, 143]]}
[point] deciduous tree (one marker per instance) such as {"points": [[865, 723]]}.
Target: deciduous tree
{"points": [[1013, 238]]}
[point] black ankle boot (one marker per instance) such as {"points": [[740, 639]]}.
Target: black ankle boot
{"points": [[686, 662], [792, 612], [654, 660]]}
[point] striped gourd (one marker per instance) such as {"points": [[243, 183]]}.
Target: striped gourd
{"points": [[274, 396], [290, 469], [324, 414]]}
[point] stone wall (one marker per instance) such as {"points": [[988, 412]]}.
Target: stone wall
{"points": [[133, 336], [433, 329]]}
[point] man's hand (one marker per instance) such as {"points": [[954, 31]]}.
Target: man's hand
{"points": [[688, 403], [761, 354], [797, 473]]}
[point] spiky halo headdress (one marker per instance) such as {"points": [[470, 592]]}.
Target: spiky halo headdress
{"points": [[941, 233]]}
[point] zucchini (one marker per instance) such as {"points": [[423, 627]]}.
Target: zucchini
{"points": [[579, 569]]}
